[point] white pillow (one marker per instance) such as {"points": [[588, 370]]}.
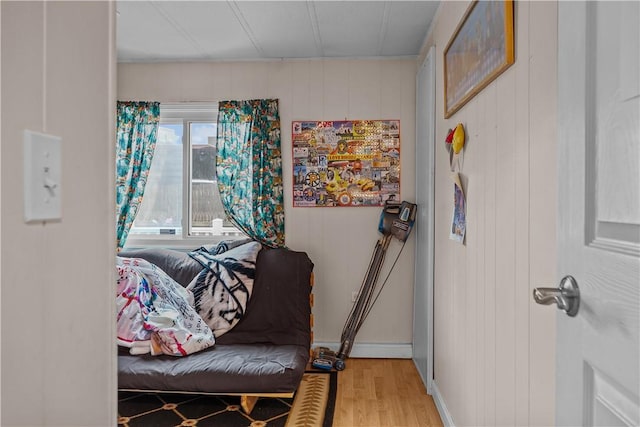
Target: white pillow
{"points": [[222, 290]]}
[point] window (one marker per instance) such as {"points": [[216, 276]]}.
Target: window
{"points": [[181, 205]]}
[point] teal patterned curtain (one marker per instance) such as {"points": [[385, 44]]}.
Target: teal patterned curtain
{"points": [[249, 168], [136, 142]]}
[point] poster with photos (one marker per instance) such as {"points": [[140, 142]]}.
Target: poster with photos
{"points": [[345, 163], [459, 217]]}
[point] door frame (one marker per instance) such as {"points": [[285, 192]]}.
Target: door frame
{"points": [[423, 286]]}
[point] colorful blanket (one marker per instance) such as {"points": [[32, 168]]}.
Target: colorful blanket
{"points": [[156, 314]]}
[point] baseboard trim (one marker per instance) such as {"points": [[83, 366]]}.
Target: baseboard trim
{"points": [[445, 415], [373, 351]]}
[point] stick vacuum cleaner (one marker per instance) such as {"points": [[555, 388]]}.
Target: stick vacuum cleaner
{"points": [[396, 220]]}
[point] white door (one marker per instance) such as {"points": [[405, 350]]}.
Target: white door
{"points": [[598, 359], [423, 285]]}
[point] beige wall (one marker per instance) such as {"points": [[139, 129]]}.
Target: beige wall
{"points": [[339, 241], [494, 348], [58, 281]]}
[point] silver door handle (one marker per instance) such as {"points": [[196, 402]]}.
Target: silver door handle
{"points": [[566, 296]]}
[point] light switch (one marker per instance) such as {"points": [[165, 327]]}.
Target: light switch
{"points": [[42, 177]]}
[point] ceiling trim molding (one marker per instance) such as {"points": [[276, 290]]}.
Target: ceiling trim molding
{"points": [[241, 60]]}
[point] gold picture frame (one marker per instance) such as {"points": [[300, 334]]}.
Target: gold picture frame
{"points": [[480, 49]]}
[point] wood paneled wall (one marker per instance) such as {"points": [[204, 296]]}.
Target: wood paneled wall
{"points": [[494, 348], [58, 277], [339, 241]]}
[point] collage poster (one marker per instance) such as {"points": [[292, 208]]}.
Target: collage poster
{"points": [[345, 163]]}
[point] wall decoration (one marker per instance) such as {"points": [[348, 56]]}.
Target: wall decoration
{"points": [[455, 145], [345, 163], [480, 50], [459, 217]]}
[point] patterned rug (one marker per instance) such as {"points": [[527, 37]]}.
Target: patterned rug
{"points": [[312, 405]]}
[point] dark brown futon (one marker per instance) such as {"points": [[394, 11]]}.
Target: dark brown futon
{"points": [[265, 354]]}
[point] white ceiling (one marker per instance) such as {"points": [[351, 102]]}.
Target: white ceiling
{"points": [[251, 30]]}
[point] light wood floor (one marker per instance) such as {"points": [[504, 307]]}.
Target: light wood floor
{"points": [[383, 392]]}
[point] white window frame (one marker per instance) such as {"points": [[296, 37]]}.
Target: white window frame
{"points": [[185, 113]]}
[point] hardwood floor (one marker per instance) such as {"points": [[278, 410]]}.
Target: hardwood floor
{"points": [[383, 392]]}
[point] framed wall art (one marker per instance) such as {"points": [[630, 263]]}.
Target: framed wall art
{"points": [[481, 48], [345, 163]]}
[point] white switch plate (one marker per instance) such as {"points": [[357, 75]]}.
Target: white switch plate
{"points": [[42, 177]]}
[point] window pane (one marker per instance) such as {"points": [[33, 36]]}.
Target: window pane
{"points": [[203, 151], [161, 209], [207, 213]]}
